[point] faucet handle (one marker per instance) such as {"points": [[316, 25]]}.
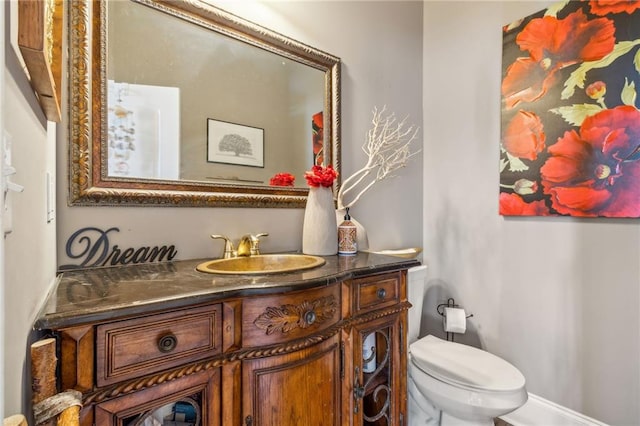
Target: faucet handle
{"points": [[228, 246], [255, 242]]}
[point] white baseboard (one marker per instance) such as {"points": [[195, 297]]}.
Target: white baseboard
{"points": [[541, 412]]}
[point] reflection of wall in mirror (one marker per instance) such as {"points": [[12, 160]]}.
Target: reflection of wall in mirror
{"points": [[219, 78], [143, 125]]}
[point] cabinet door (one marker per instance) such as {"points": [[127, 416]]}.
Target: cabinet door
{"points": [[189, 400], [299, 388], [379, 372]]}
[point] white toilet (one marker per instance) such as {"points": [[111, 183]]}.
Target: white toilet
{"points": [[454, 384]]}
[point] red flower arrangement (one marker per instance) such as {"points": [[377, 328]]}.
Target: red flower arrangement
{"points": [[321, 176], [282, 179]]}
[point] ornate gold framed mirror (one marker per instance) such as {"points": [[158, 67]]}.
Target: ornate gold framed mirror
{"points": [[180, 103]]}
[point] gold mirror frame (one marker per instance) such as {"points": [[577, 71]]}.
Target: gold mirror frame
{"points": [[89, 184]]}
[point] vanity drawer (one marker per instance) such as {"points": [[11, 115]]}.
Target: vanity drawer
{"points": [[139, 346], [375, 292], [269, 320]]}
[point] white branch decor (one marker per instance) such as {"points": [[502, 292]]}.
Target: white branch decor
{"points": [[387, 148]]}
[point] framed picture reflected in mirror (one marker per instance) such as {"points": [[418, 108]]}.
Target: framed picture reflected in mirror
{"points": [[232, 143]]}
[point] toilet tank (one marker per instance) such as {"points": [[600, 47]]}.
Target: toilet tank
{"points": [[416, 287]]}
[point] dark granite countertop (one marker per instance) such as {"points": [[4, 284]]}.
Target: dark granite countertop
{"points": [[90, 295]]}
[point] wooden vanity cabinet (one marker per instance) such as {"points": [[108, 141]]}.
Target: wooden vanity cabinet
{"points": [[300, 388], [131, 348], [378, 338], [202, 390], [379, 390], [304, 327], [287, 358]]}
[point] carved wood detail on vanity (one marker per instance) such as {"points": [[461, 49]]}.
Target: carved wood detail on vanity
{"points": [[278, 319], [285, 318], [239, 353]]}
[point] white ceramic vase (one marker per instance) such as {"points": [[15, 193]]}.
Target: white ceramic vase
{"points": [[361, 233], [320, 228]]}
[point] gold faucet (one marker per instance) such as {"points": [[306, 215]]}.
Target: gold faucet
{"points": [[229, 252], [248, 245]]}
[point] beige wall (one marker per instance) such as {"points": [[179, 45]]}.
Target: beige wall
{"points": [[2, 202], [558, 297], [30, 250]]}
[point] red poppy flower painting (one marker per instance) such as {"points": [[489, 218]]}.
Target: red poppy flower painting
{"points": [[317, 126], [570, 140]]}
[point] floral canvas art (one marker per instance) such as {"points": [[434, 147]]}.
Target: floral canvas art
{"points": [[317, 136], [570, 130]]}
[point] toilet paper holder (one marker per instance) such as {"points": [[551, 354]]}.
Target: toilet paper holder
{"points": [[451, 303]]}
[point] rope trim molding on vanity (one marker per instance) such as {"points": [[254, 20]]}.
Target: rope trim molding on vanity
{"points": [[138, 384]]}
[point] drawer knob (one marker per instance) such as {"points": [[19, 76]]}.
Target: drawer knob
{"points": [[382, 293], [167, 343], [310, 317]]}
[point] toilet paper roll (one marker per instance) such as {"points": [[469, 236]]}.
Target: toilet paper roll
{"points": [[455, 320], [369, 353]]}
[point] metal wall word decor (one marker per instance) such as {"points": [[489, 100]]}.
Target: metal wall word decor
{"points": [[92, 248]]}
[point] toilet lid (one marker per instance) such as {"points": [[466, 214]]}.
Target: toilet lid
{"points": [[465, 365]]}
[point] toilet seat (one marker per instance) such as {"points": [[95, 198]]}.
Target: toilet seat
{"points": [[465, 366]]}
